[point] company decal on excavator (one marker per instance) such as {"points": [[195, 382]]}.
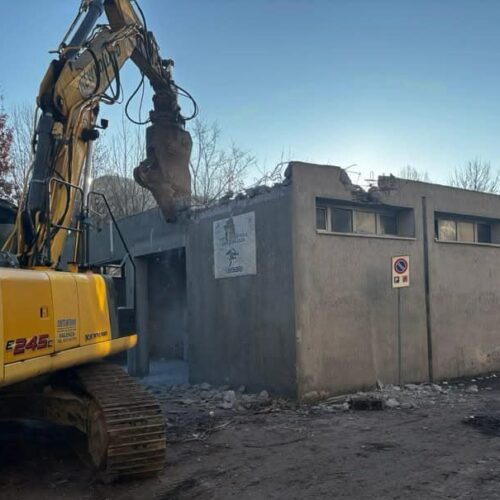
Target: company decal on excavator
{"points": [[96, 335], [23, 344], [66, 330]]}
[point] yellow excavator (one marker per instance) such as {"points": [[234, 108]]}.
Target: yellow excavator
{"points": [[57, 325]]}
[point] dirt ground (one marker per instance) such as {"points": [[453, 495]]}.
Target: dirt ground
{"points": [[420, 449]]}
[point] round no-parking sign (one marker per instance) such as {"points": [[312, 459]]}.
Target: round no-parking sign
{"points": [[401, 271]]}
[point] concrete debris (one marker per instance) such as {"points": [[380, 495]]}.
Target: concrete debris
{"points": [[368, 402], [229, 400], [411, 387], [310, 397], [257, 190], [195, 411], [263, 395], [472, 389], [392, 403], [407, 397]]}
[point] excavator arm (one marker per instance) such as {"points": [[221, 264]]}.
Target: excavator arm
{"points": [[85, 75]]}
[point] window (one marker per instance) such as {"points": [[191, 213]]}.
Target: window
{"points": [[447, 230], [387, 224], [462, 230], [321, 218], [483, 232], [465, 231], [387, 221], [365, 222], [341, 220]]}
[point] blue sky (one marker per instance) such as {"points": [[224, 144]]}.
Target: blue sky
{"points": [[377, 83]]}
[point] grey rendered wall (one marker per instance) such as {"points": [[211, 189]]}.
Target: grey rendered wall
{"points": [[346, 309], [145, 233], [241, 329], [465, 290]]}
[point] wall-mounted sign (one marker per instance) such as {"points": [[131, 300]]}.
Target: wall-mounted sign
{"points": [[400, 271], [234, 246]]}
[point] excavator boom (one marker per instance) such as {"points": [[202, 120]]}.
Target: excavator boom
{"points": [[86, 74]]}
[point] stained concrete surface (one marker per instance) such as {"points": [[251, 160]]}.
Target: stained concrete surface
{"points": [[284, 452], [166, 372]]}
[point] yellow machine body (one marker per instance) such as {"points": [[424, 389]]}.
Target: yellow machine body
{"points": [[52, 320]]}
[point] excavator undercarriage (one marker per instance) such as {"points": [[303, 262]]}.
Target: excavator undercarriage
{"points": [[124, 423]]}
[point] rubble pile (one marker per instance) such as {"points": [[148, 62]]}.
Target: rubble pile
{"points": [[193, 412], [205, 396], [408, 396]]}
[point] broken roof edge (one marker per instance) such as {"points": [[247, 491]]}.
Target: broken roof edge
{"points": [[400, 180], [383, 181], [247, 198]]}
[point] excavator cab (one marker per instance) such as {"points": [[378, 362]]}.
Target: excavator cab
{"points": [[7, 220], [7, 223]]}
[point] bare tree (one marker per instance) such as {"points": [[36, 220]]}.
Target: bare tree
{"points": [[6, 138], [23, 124], [476, 175], [114, 162], [412, 174], [216, 171]]}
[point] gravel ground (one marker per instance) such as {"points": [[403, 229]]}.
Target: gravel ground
{"points": [[413, 444]]}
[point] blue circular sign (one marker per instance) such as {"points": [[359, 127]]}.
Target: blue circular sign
{"points": [[401, 266]]}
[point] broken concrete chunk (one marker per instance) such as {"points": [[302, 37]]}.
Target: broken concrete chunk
{"points": [[408, 406], [472, 389], [264, 395], [412, 387], [392, 403], [229, 400]]}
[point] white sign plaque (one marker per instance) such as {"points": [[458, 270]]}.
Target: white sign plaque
{"points": [[234, 246], [400, 271]]}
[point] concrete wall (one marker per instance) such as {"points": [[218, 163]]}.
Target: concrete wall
{"points": [[347, 313], [346, 308], [241, 329], [464, 290], [145, 233]]}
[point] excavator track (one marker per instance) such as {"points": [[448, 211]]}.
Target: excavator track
{"points": [[126, 426]]}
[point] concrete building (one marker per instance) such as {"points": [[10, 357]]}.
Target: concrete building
{"points": [[294, 289]]}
